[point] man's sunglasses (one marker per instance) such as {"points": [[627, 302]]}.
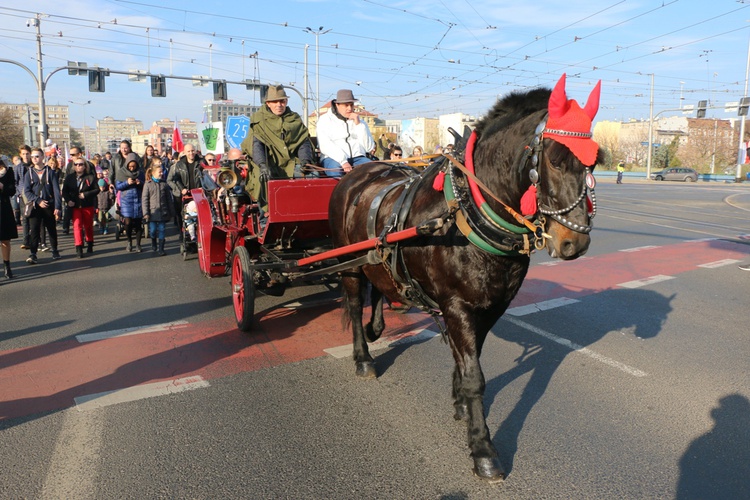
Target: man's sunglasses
{"points": [[78, 164]]}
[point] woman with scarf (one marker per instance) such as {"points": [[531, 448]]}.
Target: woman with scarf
{"points": [[278, 143], [130, 180]]}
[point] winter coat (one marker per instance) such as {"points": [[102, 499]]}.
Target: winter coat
{"points": [[8, 229], [179, 176], [118, 163], [104, 200], [34, 190], [157, 201], [341, 139], [130, 195], [89, 187]]}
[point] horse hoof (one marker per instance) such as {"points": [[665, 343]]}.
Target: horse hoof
{"points": [[489, 469], [462, 413], [366, 369]]}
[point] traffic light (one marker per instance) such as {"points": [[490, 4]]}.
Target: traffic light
{"points": [[220, 91], [742, 110], [263, 93], [158, 86], [96, 80], [702, 109]]}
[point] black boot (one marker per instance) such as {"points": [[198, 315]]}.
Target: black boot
{"points": [[8, 272], [153, 244], [89, 247], [161, 248], [79, 251]]}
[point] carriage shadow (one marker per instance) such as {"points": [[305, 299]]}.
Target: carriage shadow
{"points": [[541, 357]]}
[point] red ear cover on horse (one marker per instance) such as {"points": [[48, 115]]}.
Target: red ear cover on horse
{"points": [[592, 103], [559, 104]]}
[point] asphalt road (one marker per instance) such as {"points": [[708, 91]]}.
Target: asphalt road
{"points": [[624, 374]]}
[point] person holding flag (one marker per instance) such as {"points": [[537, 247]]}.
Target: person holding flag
{"points": [[177, 144]]}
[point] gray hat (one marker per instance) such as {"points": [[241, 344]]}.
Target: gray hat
{"points": [[276, 93], [345, 95]]}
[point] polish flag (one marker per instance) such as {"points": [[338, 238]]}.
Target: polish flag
{"points": [[177, 144]]}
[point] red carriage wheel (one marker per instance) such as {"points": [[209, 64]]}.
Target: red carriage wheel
{"points": [[243, 288]]}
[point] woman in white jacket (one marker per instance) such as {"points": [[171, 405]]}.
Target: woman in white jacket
{"points": [[344, 140]]}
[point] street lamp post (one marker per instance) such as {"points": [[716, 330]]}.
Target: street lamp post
{"points": [[317, 34], [83, 104]]}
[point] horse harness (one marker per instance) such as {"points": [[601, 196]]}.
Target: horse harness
{"points": [[475, 220]]}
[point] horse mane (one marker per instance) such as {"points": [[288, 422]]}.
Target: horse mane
{"points": [[511, 109]]}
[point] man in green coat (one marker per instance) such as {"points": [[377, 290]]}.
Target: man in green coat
{"points": [[278, 144]]}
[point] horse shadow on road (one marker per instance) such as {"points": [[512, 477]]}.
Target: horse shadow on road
{"points": [[541, 357]]}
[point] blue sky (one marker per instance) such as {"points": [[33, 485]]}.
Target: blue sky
{"points": [[402, 58]]}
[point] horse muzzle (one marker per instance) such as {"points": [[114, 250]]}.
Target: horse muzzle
{"points": [[565, 243]]}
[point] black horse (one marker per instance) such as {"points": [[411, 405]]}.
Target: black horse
{"points": [[466, 264]]}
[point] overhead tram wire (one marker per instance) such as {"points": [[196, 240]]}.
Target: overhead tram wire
{"points": [[477, 81]]}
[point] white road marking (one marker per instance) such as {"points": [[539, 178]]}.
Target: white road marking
{"points": [[719, 263], [540, 306], [128, 394], [124, 332], [638, 249], [645, 281], [577, 348], [311, 303], [344, 351], [73, 466]]}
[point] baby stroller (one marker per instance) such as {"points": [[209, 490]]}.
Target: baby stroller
{"points": [[189, 236]]}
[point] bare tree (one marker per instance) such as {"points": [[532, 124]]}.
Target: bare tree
{"points": [[710, 143], [607, 135], [11, 136]]}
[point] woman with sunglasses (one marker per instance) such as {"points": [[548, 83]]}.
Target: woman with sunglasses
{"points": [[79, 192]]}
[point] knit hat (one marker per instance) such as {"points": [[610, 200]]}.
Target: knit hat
{"points": [[102, 183], [570, 125]]}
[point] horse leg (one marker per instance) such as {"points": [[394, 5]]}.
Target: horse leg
{"points": [[468, 393], [486, 462], [375, 327], [459, 404], [353, 286]]}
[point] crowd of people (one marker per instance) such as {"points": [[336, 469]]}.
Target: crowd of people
{"points": [[42, 190]]}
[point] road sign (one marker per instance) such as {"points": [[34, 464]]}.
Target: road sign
{"points": [[200, 80], [236, 131], [731, 107]]}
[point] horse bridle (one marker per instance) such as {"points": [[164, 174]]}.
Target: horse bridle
{"points": [[535, 152]]}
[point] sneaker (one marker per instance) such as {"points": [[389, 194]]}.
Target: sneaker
{"points": [[31, 259], [138, 248], [24, 246], [746, 267], [44, 248], [56, 255]]}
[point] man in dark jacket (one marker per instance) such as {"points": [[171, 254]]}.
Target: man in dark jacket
{"points": [[184, 176], [20, 170]]}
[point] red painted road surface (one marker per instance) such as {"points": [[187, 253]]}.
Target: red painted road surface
{"points": [[48, 377]]}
